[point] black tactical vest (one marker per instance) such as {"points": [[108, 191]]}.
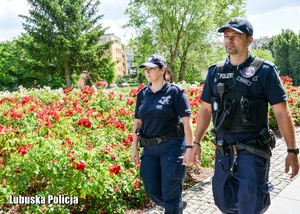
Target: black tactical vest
{"points": [[235, 109]]}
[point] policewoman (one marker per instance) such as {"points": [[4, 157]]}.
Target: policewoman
{"points": [[163, 127], [236, 95]]}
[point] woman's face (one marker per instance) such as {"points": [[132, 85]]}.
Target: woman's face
{"points": [[154, 74]]}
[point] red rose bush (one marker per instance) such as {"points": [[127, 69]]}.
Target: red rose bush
{"points": [[76, 144]]}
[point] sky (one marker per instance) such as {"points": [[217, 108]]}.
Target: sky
{"points": [[268, 17]]}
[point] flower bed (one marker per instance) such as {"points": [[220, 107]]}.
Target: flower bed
{"points": [[69, 151]]}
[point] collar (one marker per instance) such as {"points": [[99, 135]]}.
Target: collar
{"points": [[241, 66], [164, 88]]}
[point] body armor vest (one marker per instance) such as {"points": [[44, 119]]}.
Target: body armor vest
{"points": [[234, 108]]}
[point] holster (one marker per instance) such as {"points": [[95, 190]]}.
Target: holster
{"points": [[269, 137]]}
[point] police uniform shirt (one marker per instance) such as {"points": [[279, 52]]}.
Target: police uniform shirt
{"points": [[161, 111], [266, 84]]}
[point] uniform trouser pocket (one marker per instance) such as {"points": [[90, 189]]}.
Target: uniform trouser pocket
{"points": [[163, 173], [247, 191]]}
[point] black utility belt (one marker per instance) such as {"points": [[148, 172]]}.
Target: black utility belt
{"points": [[251, 146], [157, 140]]}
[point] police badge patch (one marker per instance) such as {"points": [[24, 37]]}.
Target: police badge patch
{"points": [[248, 72]]}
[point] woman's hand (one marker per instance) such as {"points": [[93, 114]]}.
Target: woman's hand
{"points": [[188, 159], [135, 155]]}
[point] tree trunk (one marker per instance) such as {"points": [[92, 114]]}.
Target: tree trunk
{"points": [[67, 74]]}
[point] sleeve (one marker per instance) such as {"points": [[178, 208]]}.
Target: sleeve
{"points": [[207, 92], [182, 105], [138, 104], [274, 90]]}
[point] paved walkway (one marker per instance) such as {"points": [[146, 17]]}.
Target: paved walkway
{"points": [[285, 198]]}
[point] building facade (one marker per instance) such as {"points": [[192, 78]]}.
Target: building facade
{"points": [[258, 43], [131, 66], [117, 52]]}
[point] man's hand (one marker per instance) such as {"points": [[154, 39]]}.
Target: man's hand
{"points": [[292, 161], [196, 154]]}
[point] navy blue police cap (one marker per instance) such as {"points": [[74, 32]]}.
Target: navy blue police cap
{"points": [[239, 24], [153, 61]]}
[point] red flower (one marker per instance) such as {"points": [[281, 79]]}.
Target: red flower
{"points": [[141, 86], [18, 170], [114, 156], [80, 165], [101, 83], [67, 142], [117, 124], [90, 147], [128, 141], [87, 90], [69, 113], [27, 99], [67, 90], [22, 150], [84, 122], [117, 189], [71, 154], [130, 101], [133, 92], [137, 184], [115, 169], [111, 95], [15, 115], [29, 146]]}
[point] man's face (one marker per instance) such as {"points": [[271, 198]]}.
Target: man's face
{"points": [[234, 42]]}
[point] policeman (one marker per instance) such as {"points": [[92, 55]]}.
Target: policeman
{"points": [[162, 125], [236, 95]]}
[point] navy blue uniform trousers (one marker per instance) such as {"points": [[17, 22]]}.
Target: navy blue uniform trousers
{"points": [[162, 173], [246, 191]]}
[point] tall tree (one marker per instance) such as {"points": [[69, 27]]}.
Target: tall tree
{"points": [[293, 57], [286, 49], [183, 30], [66, 35], [15, 67], [263, 53]]}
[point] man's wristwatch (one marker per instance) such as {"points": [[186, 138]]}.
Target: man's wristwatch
{"points": [[295, 151]]}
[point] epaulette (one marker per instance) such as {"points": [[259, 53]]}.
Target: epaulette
{"points": [[215, 64], [269, 63], [177, 86], [218, 64]]}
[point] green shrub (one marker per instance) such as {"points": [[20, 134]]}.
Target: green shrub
{"points": [[76, 143]]}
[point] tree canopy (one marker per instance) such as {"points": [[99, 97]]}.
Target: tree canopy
{"points": [[286, 50], [66, 36], [183, 31]]}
